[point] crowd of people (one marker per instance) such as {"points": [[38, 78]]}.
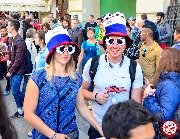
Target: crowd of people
{"points": [[130, 75]]}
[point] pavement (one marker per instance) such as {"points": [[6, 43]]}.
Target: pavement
{"points": [[23, 127]]}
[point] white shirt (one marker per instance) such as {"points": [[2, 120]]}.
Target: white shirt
{"points": [[105, 77]]}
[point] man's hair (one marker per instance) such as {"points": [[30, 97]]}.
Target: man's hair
{"points": [[144, 16], [30, 33], [150, 29], [92, 16], [15, 23], [3, 27], [121, 118], [50, 13], [161, 14], [177, 28], [54, 20], [100, 19]]}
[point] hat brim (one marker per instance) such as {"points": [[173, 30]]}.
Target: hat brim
{"points": [[75, 54], [129, 41]]}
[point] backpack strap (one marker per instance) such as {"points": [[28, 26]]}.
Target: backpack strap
{"points": [[93, 69], [132, 72]]}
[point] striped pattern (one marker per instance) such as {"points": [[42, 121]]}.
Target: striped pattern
{"points": [[56, 103]]}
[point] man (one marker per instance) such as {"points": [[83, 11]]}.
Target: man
{"points": [[134, 29], [147, 22], [177, 37], [79, 23], [112, 81], [128, 120], [99, 30], [91, 23], [76, 35], [51, 15], [150, 53], [16, 68], [34, 23], [164, 30], [52, 22]]}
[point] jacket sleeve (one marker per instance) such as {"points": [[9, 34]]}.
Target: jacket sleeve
{"points": [[169, 32], [168, 102], [19, 56], [80, 39]]}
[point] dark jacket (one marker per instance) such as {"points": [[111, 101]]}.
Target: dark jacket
{"points": [[167, 96], [17, 56], [76, 36]]}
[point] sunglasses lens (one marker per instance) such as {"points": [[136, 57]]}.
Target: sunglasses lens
{"points": [[61, 48], [109, 41], [120, 41]]}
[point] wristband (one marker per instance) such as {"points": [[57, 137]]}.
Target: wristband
{"points": [[54, 136], [96, 100]]}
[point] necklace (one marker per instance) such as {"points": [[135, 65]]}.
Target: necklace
{"points": [[113, 82]]}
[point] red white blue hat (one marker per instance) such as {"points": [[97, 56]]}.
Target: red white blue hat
{"points": [[57, 37], [115, 24]]}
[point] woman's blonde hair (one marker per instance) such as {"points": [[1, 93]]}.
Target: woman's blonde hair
{"points": [[70, 68]]}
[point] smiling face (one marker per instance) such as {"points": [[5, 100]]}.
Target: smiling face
{"points": [[61, 55], [115, 46], [90, 34]]}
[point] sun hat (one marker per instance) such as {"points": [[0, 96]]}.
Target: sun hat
{"points": [[115, 24], [57, 37]]}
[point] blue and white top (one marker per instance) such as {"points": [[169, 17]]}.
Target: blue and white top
{"points": [[57, 102], [40, 61]]}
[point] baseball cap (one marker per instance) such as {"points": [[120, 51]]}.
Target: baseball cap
{"points": [[132, 18], [75, 16]]}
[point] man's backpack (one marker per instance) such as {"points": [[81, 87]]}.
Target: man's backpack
{"points": [[94, 66], [28, 64]]}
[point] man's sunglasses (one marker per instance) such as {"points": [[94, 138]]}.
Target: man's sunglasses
{"points": [[144, 52], [90, 28], [119, 41], [61, 49]]}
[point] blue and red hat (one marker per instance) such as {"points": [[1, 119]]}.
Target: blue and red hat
{"points": [[115, 24], [57, 37]]}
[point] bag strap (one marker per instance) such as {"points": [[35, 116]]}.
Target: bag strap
{"points": [[93, 69], [132, 72]]}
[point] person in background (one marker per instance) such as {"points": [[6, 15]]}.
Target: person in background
{"points": [[51, 15], [177, 37], [66, 24], [45, 27], [134, 29], [4, 41], [57, 90], [90, 23], [6, 125], [27, 25], [150, 53], [166, 98], [88, 49], [79, 23], [97, 28], [128, 120], [16, 68], [34, 22], [40, 61], [52, 22], [144, 18], [164, 30]]}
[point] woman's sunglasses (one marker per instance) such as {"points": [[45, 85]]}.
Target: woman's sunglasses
{"points": [[119, 41], [61, 49], [90, 28]]}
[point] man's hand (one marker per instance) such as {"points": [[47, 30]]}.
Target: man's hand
{"points": [[102, 98], [8, 74]]}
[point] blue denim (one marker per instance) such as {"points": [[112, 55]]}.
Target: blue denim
{"points": [[26, 78], [15, 87]]}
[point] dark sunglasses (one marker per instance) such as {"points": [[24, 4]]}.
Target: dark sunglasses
{"points": [[90, 28], [144, 52]]}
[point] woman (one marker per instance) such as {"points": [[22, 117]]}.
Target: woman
{"points": [[66, 24], [45, 27], [56, 91], [167, 84], [41, 57], [7, 130], [89, 48]]}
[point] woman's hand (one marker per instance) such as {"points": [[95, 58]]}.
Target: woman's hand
{"points": [[148, 90], [61, 136], [146, 81]]}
